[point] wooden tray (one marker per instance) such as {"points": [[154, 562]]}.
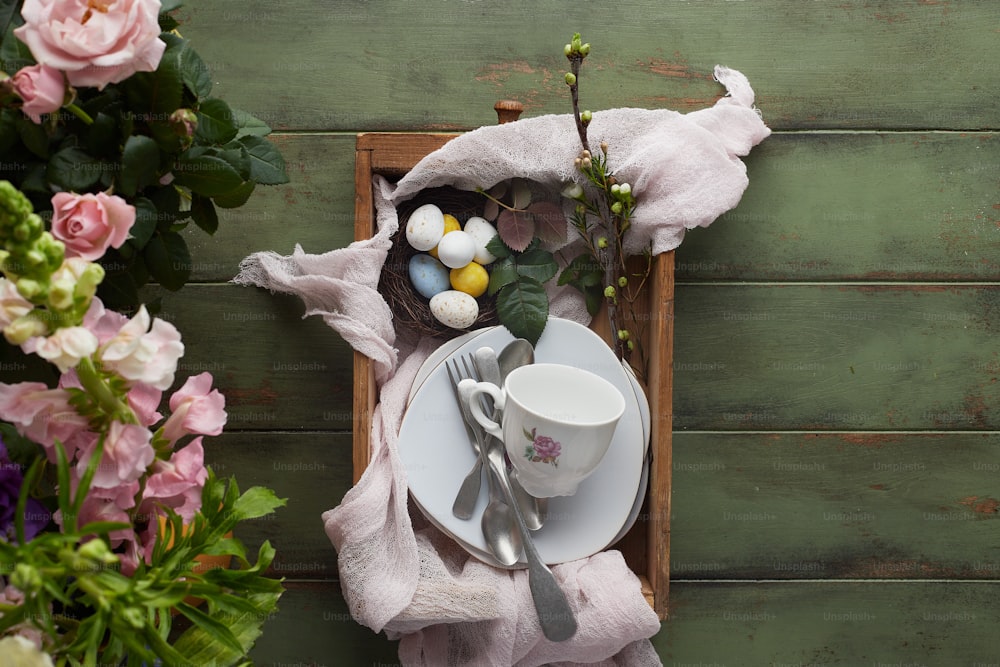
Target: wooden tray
{"points": [[647, 545]]}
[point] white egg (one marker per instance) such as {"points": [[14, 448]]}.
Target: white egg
{"points": [[454, 309], [456, 249], [482, 232], [425, 227]]}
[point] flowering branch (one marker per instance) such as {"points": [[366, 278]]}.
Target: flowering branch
{"points": [[602, 272]]}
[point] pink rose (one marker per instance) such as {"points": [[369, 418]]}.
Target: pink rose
{"points": [[96, 42], [143, 352], [127, 453], [546, 447], [41, 414], [91, 223], [42, 89], [196, 408]]}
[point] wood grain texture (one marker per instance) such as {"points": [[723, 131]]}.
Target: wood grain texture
{"points": [[441, 65], [901, 206], [836, 357], [835, 505], [738, 624]]}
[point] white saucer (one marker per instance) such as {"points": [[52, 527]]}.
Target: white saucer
{"points": [[436, 454], [439, 355]]}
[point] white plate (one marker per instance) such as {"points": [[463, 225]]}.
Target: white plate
{"points": [[436, 357], [436, 453]]}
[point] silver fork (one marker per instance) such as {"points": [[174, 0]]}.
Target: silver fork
{"points": [[468, 492]]}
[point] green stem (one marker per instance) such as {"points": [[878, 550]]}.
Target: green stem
{"points": [[79, 113], [101, 392]]}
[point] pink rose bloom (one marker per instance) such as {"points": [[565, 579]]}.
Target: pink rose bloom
{"points": [[144, 353], [546, 447], [91, 223], [177, 483], [41, 414], [128, 451], [96, 42], [42, 89], [196, 408]]}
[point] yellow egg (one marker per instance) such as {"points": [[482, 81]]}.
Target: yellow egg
{"points": [[472, 279], [451, 224]]}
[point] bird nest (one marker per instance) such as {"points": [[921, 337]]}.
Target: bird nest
{"points": [[411, 311]]}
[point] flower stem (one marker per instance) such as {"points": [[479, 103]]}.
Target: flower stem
{"points": [[102, 394], [79, 113]]}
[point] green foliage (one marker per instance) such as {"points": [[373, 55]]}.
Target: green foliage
{"points": [[132, 138], [91, 613], [516, 282]]}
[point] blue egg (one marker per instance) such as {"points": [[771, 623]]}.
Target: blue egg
{"points": [[429, 276]]}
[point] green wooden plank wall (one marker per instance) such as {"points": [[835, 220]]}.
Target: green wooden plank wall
{"points": [[836, 470]]}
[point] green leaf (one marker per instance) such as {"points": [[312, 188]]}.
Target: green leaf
{"points": [[203, 213], [33, 136], [14, 54], [249, 124], [523, 307], [168, 259], [537, 264], [140, 161], [216, 124], [214, 628], [199, 647], [237, 197], [73, 169], [267, 166], [207, 175], [195, 72], [145, 222], [502, 273], [582, 271], [498, 248], [257, 501], [120, 290], [153, 95], [102, 136]]}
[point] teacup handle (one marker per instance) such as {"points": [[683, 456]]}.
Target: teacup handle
{"points": [[476, 406]]}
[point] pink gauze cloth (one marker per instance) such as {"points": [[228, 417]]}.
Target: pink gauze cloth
{"points": [[401, 575]]}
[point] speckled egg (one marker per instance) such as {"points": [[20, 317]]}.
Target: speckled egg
{"points": [[425, 227], [482, 232], [429, 276], [456, 249], [454, 309]]}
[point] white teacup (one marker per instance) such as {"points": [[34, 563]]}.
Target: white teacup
{"points": [[557, 423]]}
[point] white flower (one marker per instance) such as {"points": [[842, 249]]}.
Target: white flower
{"points": [[23, 653], [67, 346], [144, 353], [12, 304], [572, 191]]}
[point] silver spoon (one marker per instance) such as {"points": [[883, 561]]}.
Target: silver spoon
{"points": [[517, 353], [498, 522]]}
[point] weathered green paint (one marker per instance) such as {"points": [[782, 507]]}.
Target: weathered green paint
{"points": [[835, 506], [896, 206], [441, 64], [836, 357]]}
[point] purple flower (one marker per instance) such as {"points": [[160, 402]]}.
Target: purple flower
{"points": [[546, 447], [36, 517]]}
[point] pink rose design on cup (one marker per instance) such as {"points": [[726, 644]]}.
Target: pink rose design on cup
{"points": [[91, 223], [42, 89], [542, 449], [96, 42]]}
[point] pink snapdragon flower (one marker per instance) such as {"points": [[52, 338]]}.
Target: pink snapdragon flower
{"points": [[12, 304], [43, 415], [64, 348], [196, 408], [128, 452], [144, 350], [94, 42], [89, 224], [41, 88], [177, 483]]}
